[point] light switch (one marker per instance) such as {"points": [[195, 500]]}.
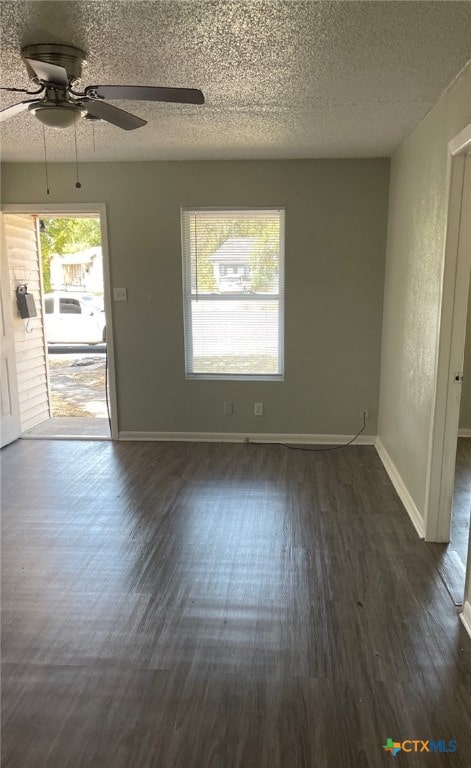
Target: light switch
{"points": [[120, 294]]}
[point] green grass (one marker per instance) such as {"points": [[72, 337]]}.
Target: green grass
{"points": [[251, 364]]}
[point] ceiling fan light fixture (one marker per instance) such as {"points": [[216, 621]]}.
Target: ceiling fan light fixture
{"points": [[55, 116]]}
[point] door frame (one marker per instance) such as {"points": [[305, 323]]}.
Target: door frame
{"points": [[454, 292], [71, 210], [12, 430]]}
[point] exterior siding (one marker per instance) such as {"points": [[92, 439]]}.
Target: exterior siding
{"points": [[31, 361]]}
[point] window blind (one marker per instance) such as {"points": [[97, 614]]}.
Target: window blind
{"points": [[233, 286]]}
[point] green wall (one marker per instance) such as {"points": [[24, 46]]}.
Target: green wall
{"points": [[415, 251], [336, 213]]}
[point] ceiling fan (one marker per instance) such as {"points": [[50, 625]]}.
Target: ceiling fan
{"points": [[57, 68]]}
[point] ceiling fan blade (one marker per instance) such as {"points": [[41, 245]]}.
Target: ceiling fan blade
{"points": [[147, 93], [15, 109], [114, 115], [48, 73]]}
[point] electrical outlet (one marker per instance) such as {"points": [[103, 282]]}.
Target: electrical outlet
{"points": [[365, 413], [258, 409], [228, 408]]}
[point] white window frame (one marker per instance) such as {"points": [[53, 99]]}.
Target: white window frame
{"points": [[187, 298]]}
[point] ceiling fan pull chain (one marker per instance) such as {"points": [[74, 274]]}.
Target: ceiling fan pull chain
{"points": [[77, 183], [45, 160]]}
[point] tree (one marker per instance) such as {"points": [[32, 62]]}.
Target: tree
{"points": [[265, 256], [63, 236]]}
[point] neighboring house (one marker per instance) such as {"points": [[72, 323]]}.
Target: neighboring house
{"points": [[82, 270], [231, 264], [235, 267]]}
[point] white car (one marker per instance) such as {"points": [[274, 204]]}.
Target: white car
{"points": [[235, 284], [74, 318]]}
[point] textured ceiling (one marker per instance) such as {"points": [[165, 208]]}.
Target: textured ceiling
{"points": [[282, 79]]}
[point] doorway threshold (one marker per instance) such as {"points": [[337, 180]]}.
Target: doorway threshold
{"points": [[70, 428]]}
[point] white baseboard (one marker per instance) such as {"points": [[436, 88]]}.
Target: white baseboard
{"points": [[464, 432], [93, 438], [243, 437], [402, 492], [465, 616]]}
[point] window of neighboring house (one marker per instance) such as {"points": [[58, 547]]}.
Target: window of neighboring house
{"points": [[69, 307], [233, 284], [49, 306]]}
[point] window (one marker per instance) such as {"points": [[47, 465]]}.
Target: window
{"points": [[69, 307], [233, 285]]}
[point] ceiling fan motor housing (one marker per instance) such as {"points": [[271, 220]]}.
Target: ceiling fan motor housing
{"points": [[67, 56]]}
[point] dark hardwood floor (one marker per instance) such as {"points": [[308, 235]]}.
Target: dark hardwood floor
{"points": [[452, 564], [462, 500], [221, 606]]}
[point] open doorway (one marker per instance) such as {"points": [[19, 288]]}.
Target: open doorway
{"points": [[64, 353], [454, 558], [449, 471], [75, 325], [457, 550]]}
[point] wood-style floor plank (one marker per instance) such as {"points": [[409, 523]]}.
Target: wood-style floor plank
{"points": [[220, 606], [452, 559]]}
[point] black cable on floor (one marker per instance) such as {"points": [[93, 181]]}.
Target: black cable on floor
{"points": [[317, 450]]}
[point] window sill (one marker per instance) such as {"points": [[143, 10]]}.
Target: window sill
{"points": [[233, 377]]}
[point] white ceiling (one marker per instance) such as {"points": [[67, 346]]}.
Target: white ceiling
{"points": [[281, 78]]}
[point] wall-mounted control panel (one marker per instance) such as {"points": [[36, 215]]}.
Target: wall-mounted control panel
{"points": [[25, 302]]}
